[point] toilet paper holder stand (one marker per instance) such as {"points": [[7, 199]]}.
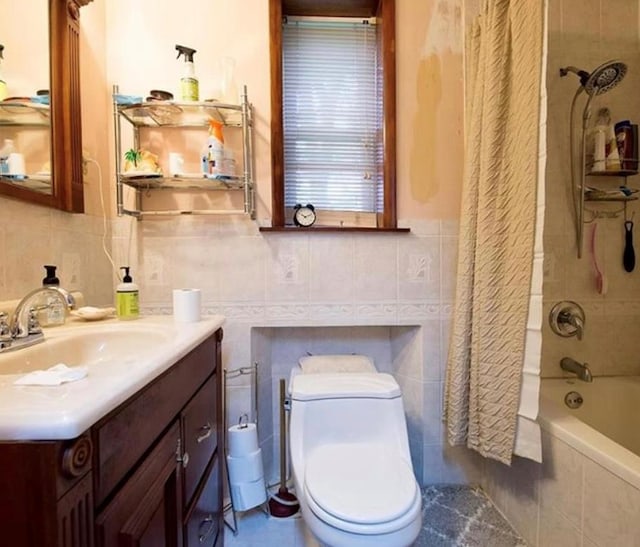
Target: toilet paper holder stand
{"points": [[243, 422]]}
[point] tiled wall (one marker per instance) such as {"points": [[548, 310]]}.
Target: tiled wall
{"points": [[31, 236], [569, 500], [385, 295], [586, 34]]}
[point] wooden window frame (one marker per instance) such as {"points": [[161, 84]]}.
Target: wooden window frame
{"points": [[384, 10]]}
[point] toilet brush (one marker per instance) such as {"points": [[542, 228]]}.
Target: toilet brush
{"points": [[284, 503]]}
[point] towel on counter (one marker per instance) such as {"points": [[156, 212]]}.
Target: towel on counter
{"points": [[54, 376]]}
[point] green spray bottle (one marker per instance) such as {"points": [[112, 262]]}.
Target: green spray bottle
{"points": [[189, 88], [3, 84]]}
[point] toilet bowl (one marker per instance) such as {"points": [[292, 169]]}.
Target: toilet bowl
{"points": [[350, 458]]}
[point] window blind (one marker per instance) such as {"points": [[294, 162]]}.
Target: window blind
{"points": [[332, 114]]}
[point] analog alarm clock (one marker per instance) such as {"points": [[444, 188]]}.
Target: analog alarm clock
{"points": [[304, 215]]}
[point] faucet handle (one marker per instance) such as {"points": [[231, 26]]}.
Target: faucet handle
{"points": [[33, 327], [567, 318], [5, 331]]}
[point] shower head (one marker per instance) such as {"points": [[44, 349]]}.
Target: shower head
{"points": [[602, 79]]}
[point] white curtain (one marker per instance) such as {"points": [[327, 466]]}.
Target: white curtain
{"points": [[498, 297]]}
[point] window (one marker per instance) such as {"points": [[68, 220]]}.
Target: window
{"points": [[333, 110]]}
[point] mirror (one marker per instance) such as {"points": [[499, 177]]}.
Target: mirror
{"points": [[40, 124]]}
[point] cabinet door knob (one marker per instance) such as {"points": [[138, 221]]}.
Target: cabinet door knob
{"points": [[206, 432], [203, 535], [184, 459]]}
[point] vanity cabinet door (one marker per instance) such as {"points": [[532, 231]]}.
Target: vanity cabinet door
{"points": [[200, 430], [204, 523], [146, 510]]}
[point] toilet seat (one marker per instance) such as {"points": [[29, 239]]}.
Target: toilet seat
{"points": [[363, 488]]}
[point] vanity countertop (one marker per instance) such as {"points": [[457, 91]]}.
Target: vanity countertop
{"points": [[67, 410]]}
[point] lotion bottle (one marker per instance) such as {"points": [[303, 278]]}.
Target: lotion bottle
{"points": [[127, 304]]}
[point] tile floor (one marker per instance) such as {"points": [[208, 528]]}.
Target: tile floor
{"points": [[453, 516]]}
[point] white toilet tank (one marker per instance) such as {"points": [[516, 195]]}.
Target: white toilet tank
{"points": [[346, 407]]}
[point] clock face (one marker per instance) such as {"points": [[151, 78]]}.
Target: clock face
{"points": [[304, 215]]}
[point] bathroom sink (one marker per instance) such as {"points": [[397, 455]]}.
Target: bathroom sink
{"points": [[107, 345]]}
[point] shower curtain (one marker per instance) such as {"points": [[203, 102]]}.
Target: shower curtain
{"points": [[497, 317]]}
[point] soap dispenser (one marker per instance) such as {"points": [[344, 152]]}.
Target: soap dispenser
{"points": [[127, 303], [53, 312]]}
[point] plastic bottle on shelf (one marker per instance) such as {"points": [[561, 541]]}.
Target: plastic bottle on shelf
{"points": [[215, 154], [627, 145], [5, 151], [3, 83], [189, 86], [612, 157], [599, 139]]}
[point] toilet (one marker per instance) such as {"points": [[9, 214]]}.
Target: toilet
{"points": [[350, 457]]}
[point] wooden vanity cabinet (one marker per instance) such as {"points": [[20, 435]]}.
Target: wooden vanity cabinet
{"points": [[149, 474]]}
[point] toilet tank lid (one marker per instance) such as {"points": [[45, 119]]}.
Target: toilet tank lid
{"points": [[344, 385], [312, 364]]}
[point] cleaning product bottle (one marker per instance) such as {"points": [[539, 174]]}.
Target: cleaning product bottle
{"points": [[53, 311], [3, 84], [189, 87], [215, 156], [127, 304]]}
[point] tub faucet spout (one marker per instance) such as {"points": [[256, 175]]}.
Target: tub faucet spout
{"points": [[580, 369]]}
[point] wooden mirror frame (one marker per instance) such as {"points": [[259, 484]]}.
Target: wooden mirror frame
{"points": [[66, 121]]}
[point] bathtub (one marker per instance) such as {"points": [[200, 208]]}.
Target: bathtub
{"points": [[586, 491], [605, 428]]}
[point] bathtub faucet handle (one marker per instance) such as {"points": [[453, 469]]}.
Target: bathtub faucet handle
{"points": [[573, 320], [567, 319]]}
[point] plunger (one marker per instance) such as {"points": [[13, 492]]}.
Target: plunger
{"points": [[284, 503]]}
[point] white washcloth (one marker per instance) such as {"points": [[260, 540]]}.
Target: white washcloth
{"points": [[54, 376]]}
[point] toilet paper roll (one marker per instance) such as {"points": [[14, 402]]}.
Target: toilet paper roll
{"points": [[242, 440], [186, 305], [248, 495], [246, 468]]}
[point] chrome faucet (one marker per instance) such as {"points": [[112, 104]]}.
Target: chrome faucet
{"points": [[580, 369], [23, 323]]}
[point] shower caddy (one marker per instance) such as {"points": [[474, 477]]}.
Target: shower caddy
{"points": [[599, 81], [183, 115]]}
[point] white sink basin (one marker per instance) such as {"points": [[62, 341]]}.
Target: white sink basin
{"points": [[103, 345], [122, 357]]}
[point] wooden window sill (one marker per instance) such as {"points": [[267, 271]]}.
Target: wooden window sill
{"points": [[326, 229]]}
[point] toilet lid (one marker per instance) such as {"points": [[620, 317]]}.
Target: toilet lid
{"points": [[360, 483]]}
